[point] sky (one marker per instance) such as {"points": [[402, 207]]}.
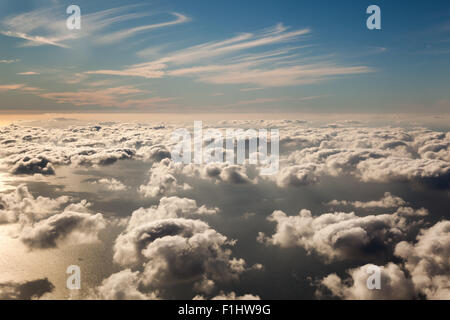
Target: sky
{"points": [[87, 176], [236, 57]]}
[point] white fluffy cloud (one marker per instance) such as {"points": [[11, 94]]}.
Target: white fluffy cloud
{"points": [[369, 154], [230, 296], [307, 153], [110, 184], [425, 272], [178, 250], [428, 260], [340, 235], [162, 180], [394, 284], [163, 245], [68, 226], [123, 285], [168, 249], [21, 205], [169, 207]]}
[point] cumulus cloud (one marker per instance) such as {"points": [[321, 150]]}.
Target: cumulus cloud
{"points": [[424, 273], [162, 180], [90, 157], [307, 153], [163, 247], [394, 284], [298, 175], [28, 290], [369, 154], [218, 172], [169, 249], [341, 235], [123, 285], [28, 165], [229, 296], [154, 153], [21, 205], [75, 224], [110, 184], [178, 250], [428, 260], [395, 169], [169, 207], [388, 201]]}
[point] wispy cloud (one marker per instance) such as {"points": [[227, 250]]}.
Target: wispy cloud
{"points": [[232, 61], [34, 40], [250, 89], [9, 87], [259, 101], [28, 73], [9, 61], [122, 96], [46, 27], [120, 35], [18, 87]]}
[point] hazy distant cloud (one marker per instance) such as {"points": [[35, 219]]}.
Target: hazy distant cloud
{"points": [[250, 89], [28, 73], [388, 201], [103, 97], [260, 101], [9, 61], [19, 87], [121, 97], [9, 87]]}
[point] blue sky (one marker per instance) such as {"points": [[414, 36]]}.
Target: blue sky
{"points": [[224, 56]]}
